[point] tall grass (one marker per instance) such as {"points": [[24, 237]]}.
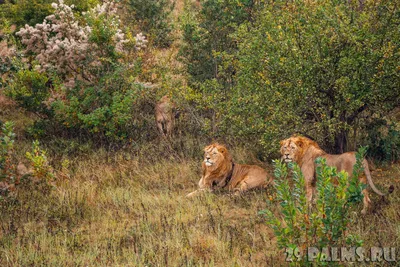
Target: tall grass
{"points": [[127, 208]]}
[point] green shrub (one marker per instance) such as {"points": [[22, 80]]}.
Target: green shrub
{"points": [[91, 89], [384, 140], [153, 18], [317, 68], [30, 89], [10, 57], [208, 42], [299, 225], [108, 109], [23, 12], [31, 12]]}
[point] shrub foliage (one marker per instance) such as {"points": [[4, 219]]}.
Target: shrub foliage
{"points": [[320, 68], [299, 225]]}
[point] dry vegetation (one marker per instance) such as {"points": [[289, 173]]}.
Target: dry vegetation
{"points": [[127, 208]]}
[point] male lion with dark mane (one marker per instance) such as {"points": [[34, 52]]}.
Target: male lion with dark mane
{"points": [[304, 152], [219, 171]]}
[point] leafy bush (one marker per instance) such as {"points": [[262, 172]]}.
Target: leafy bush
{"points": [[317, 68], [106, 110], [9, 56], [208, 41], [72, 50], [209, 54], [153, 18], [298, 225], [80, 79], [30, 89], [23, 12], [384, 140], [31, 12]]}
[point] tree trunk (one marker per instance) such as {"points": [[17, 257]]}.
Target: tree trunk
{"points": [[341, 142]]}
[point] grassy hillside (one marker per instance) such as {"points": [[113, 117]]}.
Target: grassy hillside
{"points": [[127, 208]]}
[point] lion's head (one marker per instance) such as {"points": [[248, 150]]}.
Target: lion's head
{"points": [[216, 156], [219, 171], [293, 148]]}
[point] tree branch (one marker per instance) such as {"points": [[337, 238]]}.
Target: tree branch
{"points": [[353, 116]]}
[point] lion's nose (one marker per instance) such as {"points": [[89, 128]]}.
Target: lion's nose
{"points": [[207, 158], [286, 154]]}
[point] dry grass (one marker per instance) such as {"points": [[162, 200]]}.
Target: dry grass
{"points": [[127, 208], [133, 212]]}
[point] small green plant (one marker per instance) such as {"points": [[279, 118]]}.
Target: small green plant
{"points": [[13, 173], [42, 171], [7, 168], [299, 225]]}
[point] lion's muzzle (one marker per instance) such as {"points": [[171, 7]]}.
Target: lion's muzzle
{"points": [[287, 159], [208, 163]]}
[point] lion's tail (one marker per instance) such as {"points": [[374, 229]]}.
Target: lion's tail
{"points": [[371, 183]]}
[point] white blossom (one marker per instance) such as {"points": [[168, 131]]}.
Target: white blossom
{"points": [[140, 41], [60, 43]]}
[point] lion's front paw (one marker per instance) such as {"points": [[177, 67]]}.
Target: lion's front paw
{"points": [[237, 192], [364, 211], [194, 193]]}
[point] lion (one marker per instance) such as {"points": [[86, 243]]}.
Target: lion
{"points": [[165, 113], [219, 171], [304, 151]]}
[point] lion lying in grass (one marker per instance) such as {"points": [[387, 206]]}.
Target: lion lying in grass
{"points": [[219, 171], [304, 151]]}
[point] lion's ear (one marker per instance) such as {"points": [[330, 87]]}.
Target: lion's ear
{"points": [[282, 142], [299, 143], [222, 150]]}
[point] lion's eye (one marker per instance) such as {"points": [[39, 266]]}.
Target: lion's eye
{"points": [[292, 147], [214, 153]]}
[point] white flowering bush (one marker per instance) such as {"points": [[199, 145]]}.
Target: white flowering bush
{"points": [[9, 56], [91, 89], [7, 52], [59, 42], [70, 48]]}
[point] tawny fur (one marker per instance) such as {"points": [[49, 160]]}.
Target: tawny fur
{"points": [[242, 177], [304, 152], [165, 117]]}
